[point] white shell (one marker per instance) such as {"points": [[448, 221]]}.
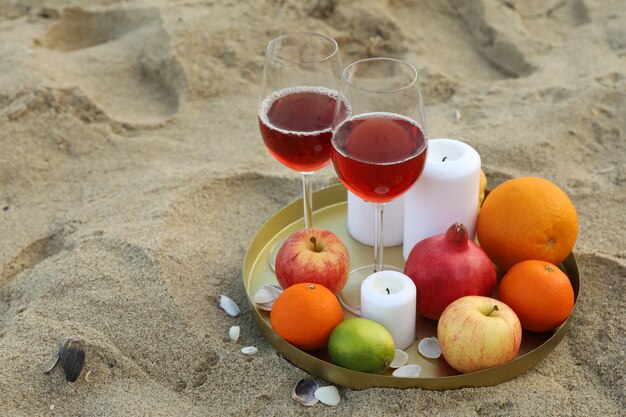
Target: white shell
{"points": [[266, 295], [233, 333], [429, 347], [328, 395], [228, 305], [408, 371], [249, 350], [399, 359]]}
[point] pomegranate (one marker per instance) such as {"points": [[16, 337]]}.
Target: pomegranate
{"points": [[447, 267]]}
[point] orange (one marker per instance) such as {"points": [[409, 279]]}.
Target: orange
{"points": [[527, 218], [540, 294], [305, 314]]}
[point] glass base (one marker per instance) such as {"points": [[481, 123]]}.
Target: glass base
{"points": [[274, 252], [350, 296]]}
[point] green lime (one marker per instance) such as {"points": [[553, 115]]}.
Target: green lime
{"points": [[361, 345]]}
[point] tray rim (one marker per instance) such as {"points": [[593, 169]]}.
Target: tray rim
{"points": [[337, 194]]}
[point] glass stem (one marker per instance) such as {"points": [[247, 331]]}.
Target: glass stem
{"points": [[378, 236], [307, 199]]}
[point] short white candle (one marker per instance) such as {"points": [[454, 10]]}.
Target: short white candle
{"points": [[361, 221], [389, 298], [446, 192]]}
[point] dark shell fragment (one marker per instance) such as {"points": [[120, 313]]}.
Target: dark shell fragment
{"points": [[72, 358], [304, 392]]}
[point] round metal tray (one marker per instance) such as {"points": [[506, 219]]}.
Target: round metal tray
{"points": [[330, 210]]}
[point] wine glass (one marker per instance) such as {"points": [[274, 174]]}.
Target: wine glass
{"points": [[299, 92], [379, 150]]}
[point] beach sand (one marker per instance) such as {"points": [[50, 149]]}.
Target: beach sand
{"points": [[133, 177]]}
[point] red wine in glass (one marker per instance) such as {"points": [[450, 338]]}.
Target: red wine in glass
{"points": [[296, 123], [379, 156], [297, 102]]}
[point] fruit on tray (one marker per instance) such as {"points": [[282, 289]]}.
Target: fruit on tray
{"points": [[527, 218], [446, 267], [482, 187], [361, 345], [477, 332], [305, 314], [313, 255], [540, 294]]}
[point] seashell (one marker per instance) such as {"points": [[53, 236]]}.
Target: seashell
{"points": [[249, 350], [51, 364], [266, 295], [72, 358], [429, 347], [399, 359], [304, 392], [228, 305], [408, 371], [328, 395], [233, 333]]}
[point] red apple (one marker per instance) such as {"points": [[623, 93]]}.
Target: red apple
{"points": [[313, 255], [477, 332]]}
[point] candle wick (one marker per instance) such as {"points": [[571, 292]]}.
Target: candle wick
{"points": [[388, 292], [444, 159]]}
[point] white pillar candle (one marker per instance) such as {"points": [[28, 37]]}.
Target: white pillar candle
{"points": [[361, 221], [445, 193], [389, 298]]}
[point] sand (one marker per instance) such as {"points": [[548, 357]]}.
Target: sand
{"points": [[133, 176]]}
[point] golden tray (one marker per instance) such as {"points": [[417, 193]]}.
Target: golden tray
{"points": [[330, 211]]}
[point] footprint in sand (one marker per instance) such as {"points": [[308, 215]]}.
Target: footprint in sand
{"points": [[510, 34], [31, 255], [120, 59]]}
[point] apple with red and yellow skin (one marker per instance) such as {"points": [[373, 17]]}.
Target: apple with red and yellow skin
{"points": [[477, 333], [313, 255]]}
